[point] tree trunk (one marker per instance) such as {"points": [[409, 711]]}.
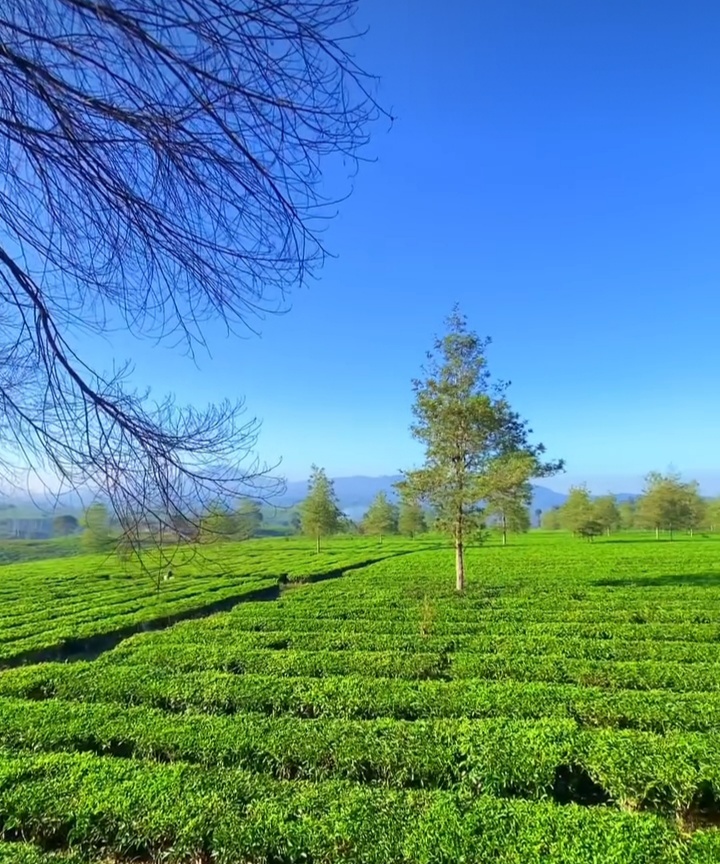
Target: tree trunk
{"points": [[671, 532], [691, 532], [317, 544], [657, 533], [459, 565], [504, 531]]}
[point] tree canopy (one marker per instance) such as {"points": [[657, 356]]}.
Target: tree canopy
{"points": [[411, 517], [381, 517], [669, 504]]}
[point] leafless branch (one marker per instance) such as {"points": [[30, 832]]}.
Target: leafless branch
{"points": [[160, 163]]}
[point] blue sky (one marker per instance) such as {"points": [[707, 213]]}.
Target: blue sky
{"points": [[555, 168]]}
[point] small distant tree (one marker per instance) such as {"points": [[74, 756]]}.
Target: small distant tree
{"points": [[465, 423], [63, 526], [411, 518], [381, 517], [509, 492], [552, 519], [248, 519], [665, 503], [219, 524], [296, 523], [590, 530], [538, 517], [606, 513], [577, 511], [320, 514], [96, 535]]}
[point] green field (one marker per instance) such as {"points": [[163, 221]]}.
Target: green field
{"points": [[350, 707]]}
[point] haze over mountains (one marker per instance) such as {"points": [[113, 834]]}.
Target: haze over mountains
{"points": [[355, 493]]}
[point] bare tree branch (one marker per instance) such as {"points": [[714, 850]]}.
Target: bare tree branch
{"points": [[160, 164]]}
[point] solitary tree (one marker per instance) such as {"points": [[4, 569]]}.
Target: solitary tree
{"points": [[466, 425], [248, 519], [320, 514], [96, 536], [161, 164], [381, 517], [538, 516], [65, 525], [411, 518], [606, 513]]}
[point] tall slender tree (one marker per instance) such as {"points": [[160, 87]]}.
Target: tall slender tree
{"points": [[468, 428], [320, 514]]}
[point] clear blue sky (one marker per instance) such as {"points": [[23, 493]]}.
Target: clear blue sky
{"points": [[555, 168]]}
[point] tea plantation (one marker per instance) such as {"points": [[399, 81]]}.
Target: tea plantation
{"points": [[350, 707]]}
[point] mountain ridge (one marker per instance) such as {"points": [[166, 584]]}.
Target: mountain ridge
{"points": [[355, 493]]}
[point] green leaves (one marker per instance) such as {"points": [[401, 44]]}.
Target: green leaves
{"points": [[667, 503], [381, 517], [319, 513], [378, 717], [477, 451]]}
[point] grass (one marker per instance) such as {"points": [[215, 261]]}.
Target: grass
{"points": [[566, 709]]}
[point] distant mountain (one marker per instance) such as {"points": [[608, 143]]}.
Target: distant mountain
{"points": [[356, 493]]}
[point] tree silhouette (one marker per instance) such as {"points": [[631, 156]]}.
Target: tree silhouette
{"points": [[160, 164]]}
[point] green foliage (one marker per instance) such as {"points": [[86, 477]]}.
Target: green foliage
{"points": [[219, 524], [96, 536], [577, 511], [669, 504], [375, 717], [627, 511], [712, 515], [65, 525], [381, 517], [552, 519], [473, 439], [320, 514], [411, 518], [248, 519], [591, 529], [607, 514]]}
